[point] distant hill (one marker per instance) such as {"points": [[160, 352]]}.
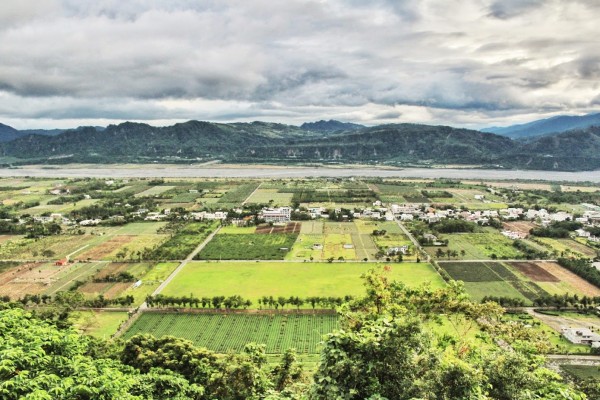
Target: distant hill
{"points": [[330, 126], [540, 127], [8, 133], [264, 142]]}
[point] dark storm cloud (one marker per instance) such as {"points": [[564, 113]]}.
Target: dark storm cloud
{"points": [[293, 61]]}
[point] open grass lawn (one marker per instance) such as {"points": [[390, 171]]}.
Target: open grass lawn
{"points": [[223, 333], [479, 246], [100, 324], [248, 247], [256, 279], [270, 196]]}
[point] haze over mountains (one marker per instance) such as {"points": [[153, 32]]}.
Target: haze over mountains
{"points": [[321, 142], [560, 123]]}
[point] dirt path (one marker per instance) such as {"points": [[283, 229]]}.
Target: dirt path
{"points": [[557, 322], [252, 194]]}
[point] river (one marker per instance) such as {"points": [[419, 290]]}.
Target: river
{"points": [[252, 171]]}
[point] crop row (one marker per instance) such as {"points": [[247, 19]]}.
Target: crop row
{"points": [[231, 332]]}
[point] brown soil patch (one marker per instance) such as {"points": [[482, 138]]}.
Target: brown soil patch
{"points": [[112, 269], [116, 290], [290, 227], [18, 290], [519, 226], [582, 286], [534, 272], [4, 238], [104, 249], [94, 287]]}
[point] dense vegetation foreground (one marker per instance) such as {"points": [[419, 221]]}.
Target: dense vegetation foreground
{"points": [[386, 349]]}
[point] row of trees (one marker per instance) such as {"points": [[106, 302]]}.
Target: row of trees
{"points": [[583, 268], [238, 302], [218, 302]]}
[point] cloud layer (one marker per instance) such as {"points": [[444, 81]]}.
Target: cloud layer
{"points": [[469, 63]]}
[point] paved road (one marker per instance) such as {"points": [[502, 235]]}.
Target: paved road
{"points": [[498, 260], [173, 274]]}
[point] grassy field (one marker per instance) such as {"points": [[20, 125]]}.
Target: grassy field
{"points": [[566, 246], [256, 279], [154, 191], [223, 333], [270, 196], [493, 279], [248, 247], [479, 246], [100, 324]]}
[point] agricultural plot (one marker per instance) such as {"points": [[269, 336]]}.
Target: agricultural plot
{"points": [[43, 278], [100, 324], [248, 247], [59, 245], [332, 195], [479, 246], [179, 246], [273, 197], [519, 226], [290, 227], [151, 276], [312, 227], [253, 280], [111, 290], [238, 194], [338, 246], [492, 279], [224, 333], [566, 246], [154, 191], [568, 282]]}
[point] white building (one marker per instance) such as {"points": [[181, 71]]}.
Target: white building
{"points": [[281, 214], [581, 336]]}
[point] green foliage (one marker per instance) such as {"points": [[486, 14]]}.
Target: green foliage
{"points": [[383, 351], [39, 361], [185, 239], [248, 247], [583, 268], [449, 225]]}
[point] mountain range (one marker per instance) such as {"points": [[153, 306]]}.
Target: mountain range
{"points": [[558, 124], [318, 142]]}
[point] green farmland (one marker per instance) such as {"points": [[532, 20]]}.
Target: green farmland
{"points": [[248, 247], [253, 280], [231, 332]]}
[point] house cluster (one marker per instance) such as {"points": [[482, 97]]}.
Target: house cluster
{"points": [[209, 216]]}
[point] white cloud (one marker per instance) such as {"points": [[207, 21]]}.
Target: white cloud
{"points": [[471, 63]]}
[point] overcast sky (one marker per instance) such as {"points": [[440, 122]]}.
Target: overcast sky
{"points": [[474, 63]]}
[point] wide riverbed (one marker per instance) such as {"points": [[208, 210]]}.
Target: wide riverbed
{"points": [[252, 171]]}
